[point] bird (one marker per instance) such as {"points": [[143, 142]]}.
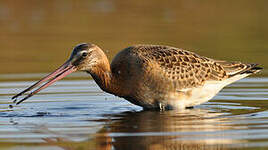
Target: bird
{"points": [[155, 77]]}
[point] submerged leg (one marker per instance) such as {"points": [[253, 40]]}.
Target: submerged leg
{"points": [[190, 107]]}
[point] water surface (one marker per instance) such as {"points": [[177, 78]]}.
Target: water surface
{"points": [[76, 114], [38, 36]]}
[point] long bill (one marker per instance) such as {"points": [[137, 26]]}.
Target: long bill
{"points": [[58, 74]]}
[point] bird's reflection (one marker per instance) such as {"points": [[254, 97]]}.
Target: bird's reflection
{"points": [[211, 126], [151, 130]]}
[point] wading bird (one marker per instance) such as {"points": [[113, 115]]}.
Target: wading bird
{"points": [[151, 76]]}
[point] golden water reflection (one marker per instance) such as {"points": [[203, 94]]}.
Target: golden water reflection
{"points": [[191, 129], [223, 125], [37, 36]]}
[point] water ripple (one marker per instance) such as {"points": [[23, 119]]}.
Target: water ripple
{"points": [[78, 111]]}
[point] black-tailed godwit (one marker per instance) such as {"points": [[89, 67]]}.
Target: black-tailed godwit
{"points": [[151, 76]]}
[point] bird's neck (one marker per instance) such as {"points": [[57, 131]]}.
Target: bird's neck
{"points": [[103, 76]]}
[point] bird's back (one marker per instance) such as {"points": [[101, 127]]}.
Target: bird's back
{"points": [[154, 75]]}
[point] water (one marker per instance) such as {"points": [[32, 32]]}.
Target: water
{"points": [[37, 36], [76, 114]]}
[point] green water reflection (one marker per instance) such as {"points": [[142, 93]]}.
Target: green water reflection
{"points": [[37, 36]]}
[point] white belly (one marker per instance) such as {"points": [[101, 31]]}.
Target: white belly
{"points": [[195, 96]]}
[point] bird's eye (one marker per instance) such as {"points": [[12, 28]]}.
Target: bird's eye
{"points": [[84, 54]]}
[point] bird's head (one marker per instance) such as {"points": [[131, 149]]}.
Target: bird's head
{"points": [[84, 57]]}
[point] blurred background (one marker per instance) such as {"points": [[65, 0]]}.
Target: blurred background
{"points": [[37, 36]]}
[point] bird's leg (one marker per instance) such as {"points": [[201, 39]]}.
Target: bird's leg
{"points": [[161, 107]]}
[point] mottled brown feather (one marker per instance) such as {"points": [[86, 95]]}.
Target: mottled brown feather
{"points": [[150, 75], [184, 68]]}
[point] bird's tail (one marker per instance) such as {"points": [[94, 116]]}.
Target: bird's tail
{"points": [[238, 68]]}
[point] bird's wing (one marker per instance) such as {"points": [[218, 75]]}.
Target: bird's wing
{"points": [[234, 68], [183, 68]]}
